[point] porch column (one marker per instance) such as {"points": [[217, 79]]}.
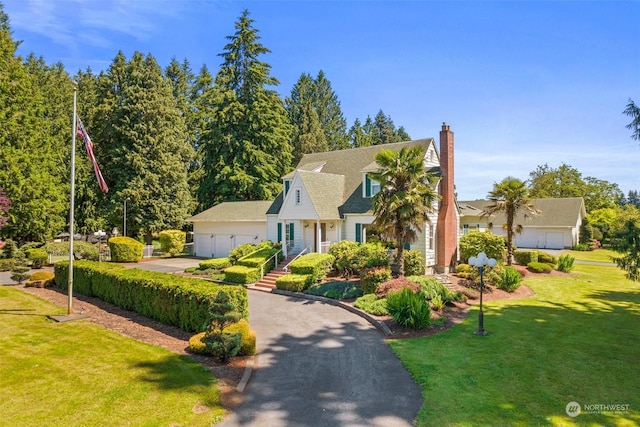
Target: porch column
{"points": [[284, 238], [319, 240]]}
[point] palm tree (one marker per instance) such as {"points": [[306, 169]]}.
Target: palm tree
{"points": [[405, 198], [510, 196]]}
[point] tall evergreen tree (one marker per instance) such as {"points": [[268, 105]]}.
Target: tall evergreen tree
{"points": [[386, 129], [29, 153], [146, 147], [633, 111], [358, 137], [246, 148], [330, 114]]}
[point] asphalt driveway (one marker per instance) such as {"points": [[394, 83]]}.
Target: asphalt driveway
{"points": [[319, 365]]}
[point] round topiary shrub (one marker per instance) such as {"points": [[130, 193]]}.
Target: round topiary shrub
{"points": [[172, 242], [539, 267], [125, 249], [38, 257], [248, 340], [372, 278]]}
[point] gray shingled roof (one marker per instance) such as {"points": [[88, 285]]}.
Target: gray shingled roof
{"points": [[326, 192], [557, 212], [234, 211], [349, 163]]}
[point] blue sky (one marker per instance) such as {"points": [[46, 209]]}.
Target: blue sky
{"points": [[521, 83]]}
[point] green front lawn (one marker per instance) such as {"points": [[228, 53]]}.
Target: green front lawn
{"points": [[80, 374], [576, 340]]}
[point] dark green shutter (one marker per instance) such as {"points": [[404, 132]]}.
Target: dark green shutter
{"points": [[359, 233], [287, 184], [291, 238], [407, 246], [367, 186], [279, 232]]}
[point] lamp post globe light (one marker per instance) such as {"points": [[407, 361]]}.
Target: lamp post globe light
{"points": [[99, 234], [480, 262]]}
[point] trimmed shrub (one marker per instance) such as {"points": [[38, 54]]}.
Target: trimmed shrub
{"points": [[372, 278], [482, 241], [125, 249], [509, 280], [294, 282], [581, 247], [565, 263], [240, 251], [466, 271], [19, 273], [523, 257], [409, 309], [7, 264], [316, 265], [372, 305], [38, 257], [546, 258], [433, 289], [41, 279], [258, 258], [167, 298], [396, 285], [214, 263], [346, 255], [414, 263], [340, 290], [10, 249], [241, 274], [539, 267], [373, 255], [172, 241]]}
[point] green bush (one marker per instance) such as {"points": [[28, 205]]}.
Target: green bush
{"points": [[7, 264], [466, 271], [346, 256], [565, 263], [339, 290], [214, 263], [247, 341], [432, 288], [523, 257], [168, 298], [82, 250], [38, 257], [373, 255], [372, 305], [414, 263], [539, 267], [409, 309], [546, 258], [294, 282], [172, 241], [240, 251], [258, 259], [509, 280], [41, 279], [581, 247], [125, 249], [482, 241], [372, 278], [10, 250], [19, 273], [316, 265], [241, 274]]}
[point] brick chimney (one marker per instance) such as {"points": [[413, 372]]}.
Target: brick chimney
{"points": [[447, 231]]}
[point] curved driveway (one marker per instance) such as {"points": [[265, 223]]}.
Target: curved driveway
{"points": [[320, 365]]}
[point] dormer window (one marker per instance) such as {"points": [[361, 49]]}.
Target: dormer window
{"points": [[371, 187]]}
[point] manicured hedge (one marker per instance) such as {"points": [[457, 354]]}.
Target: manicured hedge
{"points": [[215, 263], [539, 267], [525, 257], [241, 274], [171, 299], [125, 249], [172, 241], [294, 282], [257, 258], [248, 347], [316, 265]]}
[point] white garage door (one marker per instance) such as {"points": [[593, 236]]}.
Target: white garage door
{"points": [[555, 241], [203, 244], [222, 245]]}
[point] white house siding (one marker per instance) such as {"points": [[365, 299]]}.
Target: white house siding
{"points": [[291, 210], [349, 227], [216, 239]]}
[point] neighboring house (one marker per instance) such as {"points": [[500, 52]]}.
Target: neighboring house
{"points": [[556, 227], [223, 227], [328, 198]]}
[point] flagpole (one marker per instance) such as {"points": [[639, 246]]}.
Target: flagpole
{"points": [[72, 200]]}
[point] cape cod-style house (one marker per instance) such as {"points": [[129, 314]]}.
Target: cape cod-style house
{"points": [[328, 198]]}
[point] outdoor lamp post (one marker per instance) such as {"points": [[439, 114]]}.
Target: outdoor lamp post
{"points": [[481, 261], [99, 234]]}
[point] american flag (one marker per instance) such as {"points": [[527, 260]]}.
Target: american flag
{"points": [[82, 132]]}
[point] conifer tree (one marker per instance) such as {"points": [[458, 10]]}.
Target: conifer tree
{"points": [[246, 148]]}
